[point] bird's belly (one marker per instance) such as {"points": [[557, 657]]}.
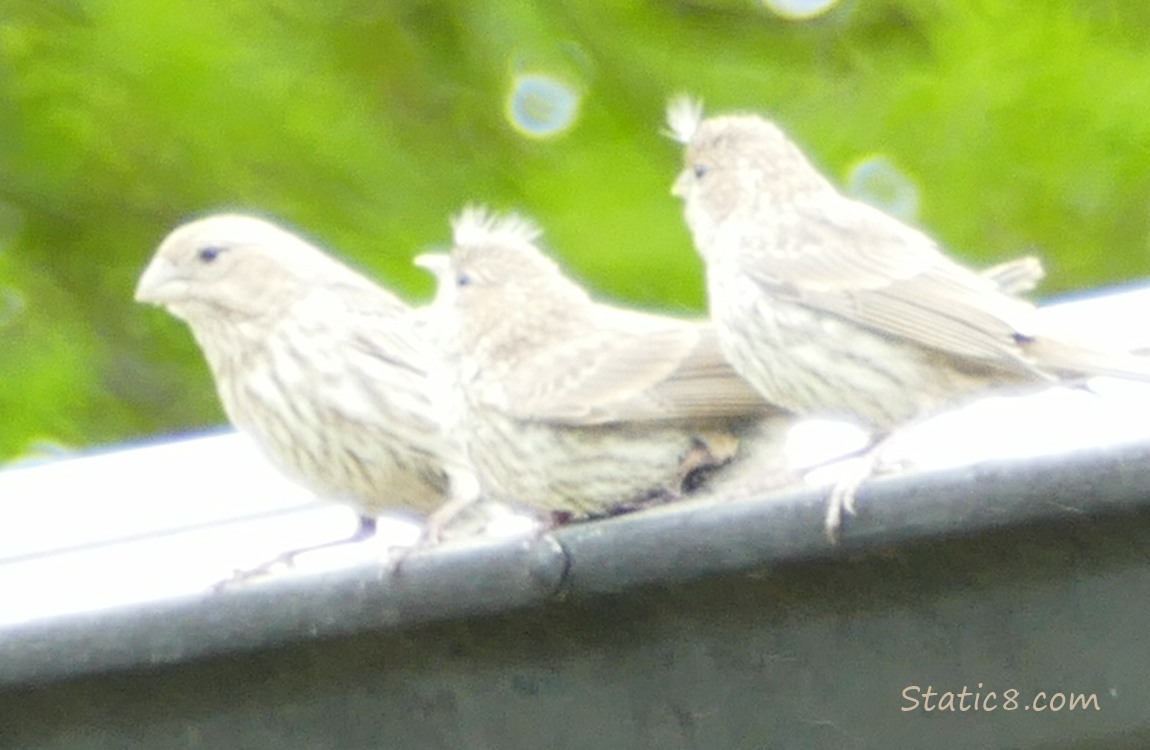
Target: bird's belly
{"points": [[585, 471], [373, 467], [819, 364]]}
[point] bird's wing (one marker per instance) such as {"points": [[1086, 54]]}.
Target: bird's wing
{"points": [[633, 367], [372, 358], [384, 328], [858, 263]]}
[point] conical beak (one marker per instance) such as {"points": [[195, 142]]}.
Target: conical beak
{"points": [[160, 283], [437, 264]]}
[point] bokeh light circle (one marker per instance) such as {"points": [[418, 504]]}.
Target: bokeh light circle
{"points": [[877, 181], [799, 10], [542, 106]]}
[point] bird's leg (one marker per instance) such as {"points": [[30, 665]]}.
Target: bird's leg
{"points": [[842, 497], [866, 464], [365, 529], [452, 512]]}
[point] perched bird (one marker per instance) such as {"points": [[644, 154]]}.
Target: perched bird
{"points": [[330, 374], [831, 307], [573, 406]]}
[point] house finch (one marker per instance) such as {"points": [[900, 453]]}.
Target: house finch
{"points": [[832, 308], [331, 374], [572, 406]]}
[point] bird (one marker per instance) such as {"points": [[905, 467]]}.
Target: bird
{"points": [[575, 408], [832, 308], [333, 376]]}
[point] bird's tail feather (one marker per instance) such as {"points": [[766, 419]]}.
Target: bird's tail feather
{"points": [[1074, 358]]}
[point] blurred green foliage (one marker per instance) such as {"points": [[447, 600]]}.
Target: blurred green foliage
{"points": [[366, 123]]}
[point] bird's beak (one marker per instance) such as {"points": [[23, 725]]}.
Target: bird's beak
{"points": [[160, 282], [679, 189], [437, 264]]}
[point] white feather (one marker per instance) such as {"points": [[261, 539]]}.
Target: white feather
{"points": [[684, 114], [477, 225]]}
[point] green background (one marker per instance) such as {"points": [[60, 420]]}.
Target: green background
{"points": [[366, 124]]}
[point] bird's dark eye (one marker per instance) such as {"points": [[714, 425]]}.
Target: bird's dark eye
{"points": [[209, 253], [699, 170], [462, 280]]}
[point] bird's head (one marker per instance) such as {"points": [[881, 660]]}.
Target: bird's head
{"points": [[735, 166], [496, 282], [230, 266]]}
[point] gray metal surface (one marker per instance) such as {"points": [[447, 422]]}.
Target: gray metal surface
{"points": [[702, 625]]}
